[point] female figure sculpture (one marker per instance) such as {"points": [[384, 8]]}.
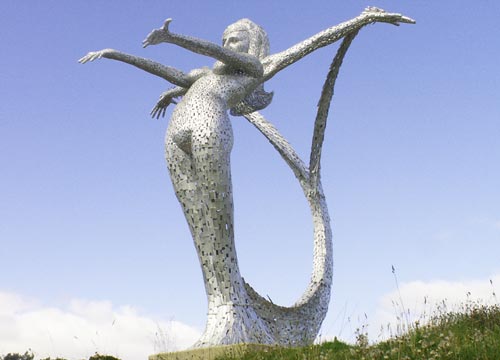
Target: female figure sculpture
{"points": [[198, 144]]}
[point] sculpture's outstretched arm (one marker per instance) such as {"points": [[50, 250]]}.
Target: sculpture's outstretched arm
{"points": [[246, 62], [168, 73], [277, 62]]}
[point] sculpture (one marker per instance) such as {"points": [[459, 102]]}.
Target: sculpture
{"points": [[198, 145]]}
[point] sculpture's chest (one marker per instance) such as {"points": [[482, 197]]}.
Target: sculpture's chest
{"points": [[228, 88]]}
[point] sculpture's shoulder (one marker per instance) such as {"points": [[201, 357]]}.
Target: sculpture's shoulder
{"points": [[196, 74]]}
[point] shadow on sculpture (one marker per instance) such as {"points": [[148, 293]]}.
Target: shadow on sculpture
{"points": [[198, 145]]}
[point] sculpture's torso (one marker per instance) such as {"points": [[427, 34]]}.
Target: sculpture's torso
{"points": [[201, 116]]}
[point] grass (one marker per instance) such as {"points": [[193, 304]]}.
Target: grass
{"points": [[473, 333]]}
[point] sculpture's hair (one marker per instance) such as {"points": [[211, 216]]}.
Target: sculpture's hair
{"points": [[259, 41], [258, 47]]}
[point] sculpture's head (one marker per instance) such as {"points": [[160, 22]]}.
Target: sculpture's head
{"points": [[246, 36]]}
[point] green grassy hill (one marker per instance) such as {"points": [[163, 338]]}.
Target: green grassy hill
{"points": [[472, 334]]}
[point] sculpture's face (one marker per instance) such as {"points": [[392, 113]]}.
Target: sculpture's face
{"points": [[237, 40]]}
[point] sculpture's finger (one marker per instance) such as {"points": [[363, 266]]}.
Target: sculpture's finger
{"points": [[407, 20], [166, 23], [158, 112], [86, 58], [374, 9], [399, 18], [149, 40]]}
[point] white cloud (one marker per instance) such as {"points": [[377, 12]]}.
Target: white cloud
{"points": [[424, 299], [13, 303], [85, 327]]}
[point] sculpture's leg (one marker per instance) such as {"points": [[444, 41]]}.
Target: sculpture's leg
{"points": [[231, 319], [202, 181], [214, 238], [184, 181]]}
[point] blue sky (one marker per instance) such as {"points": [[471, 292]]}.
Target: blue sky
{"points": [[88, 214]]}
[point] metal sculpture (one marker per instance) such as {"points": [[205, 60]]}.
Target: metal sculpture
{"points": [[198, 145]]}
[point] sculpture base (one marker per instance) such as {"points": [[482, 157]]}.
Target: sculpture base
{"points": [[211, 353]]}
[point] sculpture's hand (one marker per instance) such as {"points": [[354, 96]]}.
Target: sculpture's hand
{"points": [[380, 15], [158, 35], [161, 106], [93, 55]]}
